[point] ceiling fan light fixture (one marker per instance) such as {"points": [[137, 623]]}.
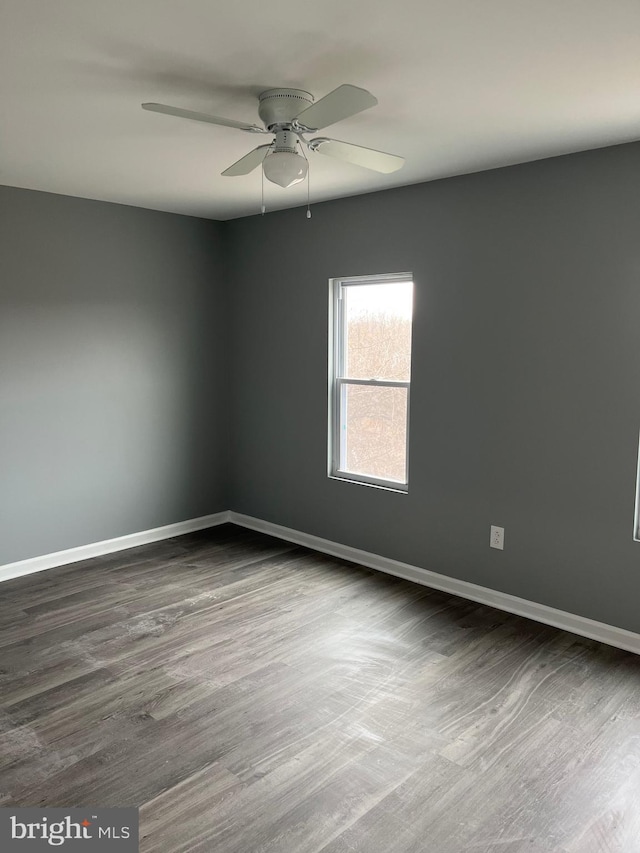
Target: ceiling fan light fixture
{"points": [[287, 115], [285, 168]]}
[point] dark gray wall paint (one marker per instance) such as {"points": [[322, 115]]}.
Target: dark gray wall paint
{"points": [[113, 415], [525, 404]]}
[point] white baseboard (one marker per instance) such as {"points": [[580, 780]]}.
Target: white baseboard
{"points": [[109, 546], [609, 634]]}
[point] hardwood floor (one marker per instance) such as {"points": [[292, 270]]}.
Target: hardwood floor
{"points": [[251, 696]]}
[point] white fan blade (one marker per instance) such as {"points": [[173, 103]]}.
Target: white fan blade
{"points": [[367, 157], [343, 102], [247, 163], [180, 113]]}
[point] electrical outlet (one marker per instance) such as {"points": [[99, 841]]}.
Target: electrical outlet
{"points": [[497, 537]]}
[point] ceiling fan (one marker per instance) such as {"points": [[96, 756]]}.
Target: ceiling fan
{"points": [[291, 114]]}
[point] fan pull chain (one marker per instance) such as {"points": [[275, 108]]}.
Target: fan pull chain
{"points": [[262, 207]]}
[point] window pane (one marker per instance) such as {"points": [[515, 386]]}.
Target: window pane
{"points": [[377, 330], [374, 431]]}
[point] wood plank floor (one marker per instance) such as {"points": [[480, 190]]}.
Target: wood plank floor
{"points": [[251, 696]]}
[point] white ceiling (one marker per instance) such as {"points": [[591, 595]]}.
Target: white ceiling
{"points": [[462, 86]]}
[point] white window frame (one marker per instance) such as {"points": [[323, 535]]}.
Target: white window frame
{"points": [[338, 383], [636, 508]]}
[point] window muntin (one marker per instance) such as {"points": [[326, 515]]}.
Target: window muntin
{"points": [[370, 379]]}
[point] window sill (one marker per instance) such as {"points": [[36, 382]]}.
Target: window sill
{"points": [[388, 486]]}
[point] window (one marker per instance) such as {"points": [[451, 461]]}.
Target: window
{"points": [[369, 378]]}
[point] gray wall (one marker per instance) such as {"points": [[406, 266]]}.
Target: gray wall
{"points": [[132, 341], [525, 403], [113, 414]]}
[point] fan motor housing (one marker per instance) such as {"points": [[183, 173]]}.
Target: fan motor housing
{"points": [[281, 106]]}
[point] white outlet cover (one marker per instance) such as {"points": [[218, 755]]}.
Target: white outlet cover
{"points": [[497, 537]]}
